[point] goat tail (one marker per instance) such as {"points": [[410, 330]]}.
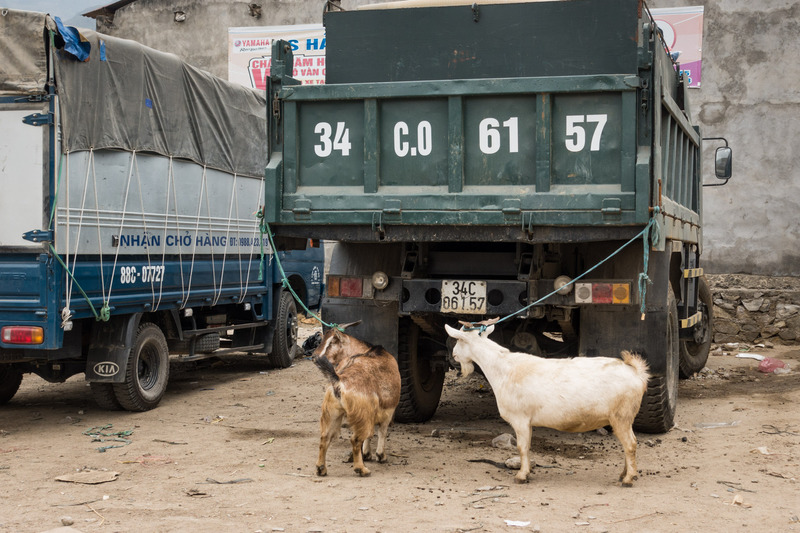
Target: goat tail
{"points": [[327, 368], [635, 361]]}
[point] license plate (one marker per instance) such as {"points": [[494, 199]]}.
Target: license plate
{"points": [[463, 296]]}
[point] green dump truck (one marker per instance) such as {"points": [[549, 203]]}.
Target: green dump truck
{"points": [[533, 161]]}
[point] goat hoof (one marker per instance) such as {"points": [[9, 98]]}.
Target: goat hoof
{"points": [[363, 472], [627, 484], [382, 458], [322, 471], [367, 456], [520, 481]]}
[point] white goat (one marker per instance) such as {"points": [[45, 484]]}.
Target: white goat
{"points": [[364, 388], [575, 395]]}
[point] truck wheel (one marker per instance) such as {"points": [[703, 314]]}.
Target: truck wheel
{"points": [[421, 385], [657, 413], [10, 379], [284, 341], [694, 351], [207, 343], [147, 371], [105, 397]]}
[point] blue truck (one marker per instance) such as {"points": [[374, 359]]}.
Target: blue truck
{"points": [[131, 217]]}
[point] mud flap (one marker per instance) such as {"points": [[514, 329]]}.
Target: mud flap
{"points": [[378, 320], [607, 330], [109, 348]]}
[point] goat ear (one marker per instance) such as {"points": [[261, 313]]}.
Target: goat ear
{"points": [[488, 331]]}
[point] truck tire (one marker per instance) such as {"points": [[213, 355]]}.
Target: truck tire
{"points": [[104, 396], [694, 352], [207, 343], [657, 413], [421, 385], [10, 380], [284, 340], [147, 371]]}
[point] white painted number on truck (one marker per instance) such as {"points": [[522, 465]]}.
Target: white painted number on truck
{"points": [[410, 140], [424, 140], [330, 141], [490, 138], [576, 134], [148, 274]]}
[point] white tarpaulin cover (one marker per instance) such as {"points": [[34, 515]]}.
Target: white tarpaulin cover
{"points": [[127, 96]]}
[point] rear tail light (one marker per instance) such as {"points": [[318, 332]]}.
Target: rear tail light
{"points": [[340, 286], [333, 286], [620, 293], [22, 335], [351, 287], [602, 293]]}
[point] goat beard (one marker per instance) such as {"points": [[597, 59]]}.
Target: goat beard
{"points": [[466, 368]]}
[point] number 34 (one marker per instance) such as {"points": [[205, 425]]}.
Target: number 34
{"points": [[576, 134], [329, 141]]}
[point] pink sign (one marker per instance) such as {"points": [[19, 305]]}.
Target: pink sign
{"points": [[682, 28]]}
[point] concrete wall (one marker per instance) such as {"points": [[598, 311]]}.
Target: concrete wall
{"points": [[201, 38], [750, 94]]}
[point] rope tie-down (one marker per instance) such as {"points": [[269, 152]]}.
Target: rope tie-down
{"points": [[265, 229], [104, 313], [650, 234]]}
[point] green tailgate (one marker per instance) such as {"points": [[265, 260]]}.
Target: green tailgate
{"points": [[550, 151]]}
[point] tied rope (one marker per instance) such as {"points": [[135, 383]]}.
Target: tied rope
{"points": [[264, 227], [66, 313], [650, 234], [105, 312], [98, 434]]}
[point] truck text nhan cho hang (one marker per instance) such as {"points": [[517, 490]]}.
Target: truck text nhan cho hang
{"points": [[130, 189], [471, 159]]}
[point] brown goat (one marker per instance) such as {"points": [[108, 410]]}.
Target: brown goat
{"points": [[364, 388]]}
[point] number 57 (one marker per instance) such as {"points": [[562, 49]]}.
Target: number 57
{"points": [[576, 135]]}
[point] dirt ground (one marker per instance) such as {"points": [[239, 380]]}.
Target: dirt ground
{"points": [[233, 446]]}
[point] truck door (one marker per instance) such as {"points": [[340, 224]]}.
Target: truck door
{"points": [[23, 157]]}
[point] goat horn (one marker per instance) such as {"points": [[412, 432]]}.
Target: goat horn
{"points": [[487, 322], [350, 324]]}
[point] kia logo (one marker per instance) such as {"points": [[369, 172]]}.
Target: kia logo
{"points": [[106, 369]]}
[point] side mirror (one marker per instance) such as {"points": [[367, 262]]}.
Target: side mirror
{"points": [[723, 162], [723, 158]]}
